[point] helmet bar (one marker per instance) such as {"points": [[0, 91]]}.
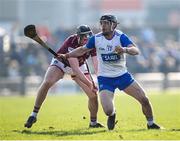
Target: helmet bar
{"points": [[87, 32]]}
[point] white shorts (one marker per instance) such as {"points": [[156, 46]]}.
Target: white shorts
{"points": [[67, 69]]}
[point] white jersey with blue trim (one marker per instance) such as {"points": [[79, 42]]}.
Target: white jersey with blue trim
{"points": [[110, 64]]}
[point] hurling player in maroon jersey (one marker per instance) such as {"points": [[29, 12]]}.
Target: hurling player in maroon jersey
{"points": [[78, 70]]}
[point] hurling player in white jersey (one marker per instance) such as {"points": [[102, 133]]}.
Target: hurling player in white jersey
{"points": [[112, 46]]}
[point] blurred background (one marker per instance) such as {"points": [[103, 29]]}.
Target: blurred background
{"points": [[154, 25]]}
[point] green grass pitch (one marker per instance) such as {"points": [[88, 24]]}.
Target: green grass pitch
{"points": [[67, 118]]}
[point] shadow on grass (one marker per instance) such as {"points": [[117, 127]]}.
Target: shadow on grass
{"points": [[61, 132], [135, 130], [142, 130], [174, 130]]}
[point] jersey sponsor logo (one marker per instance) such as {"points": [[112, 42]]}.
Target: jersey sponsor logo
{"points": [[113, 57]]}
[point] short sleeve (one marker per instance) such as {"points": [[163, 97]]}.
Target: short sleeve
{"points": [[64, 47], [125, 41], [91, 43]]}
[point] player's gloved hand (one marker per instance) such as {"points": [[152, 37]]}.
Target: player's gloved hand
{"points": [[120, 50]]}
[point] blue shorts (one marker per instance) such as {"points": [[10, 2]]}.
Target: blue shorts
{"points": [[120, 82]]}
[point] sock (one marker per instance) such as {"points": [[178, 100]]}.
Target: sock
{"points": [[34, 114], [35, 111], [150, 121], [93, 121]]}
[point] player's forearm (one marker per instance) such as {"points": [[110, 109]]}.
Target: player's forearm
{"points": [[74, 64], [76, 52], [95, 64], [82, 77], [131, 50]]}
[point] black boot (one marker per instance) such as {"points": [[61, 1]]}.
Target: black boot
{"points": [[31, 120], [111, 122], [97, 125], [153, 126]]}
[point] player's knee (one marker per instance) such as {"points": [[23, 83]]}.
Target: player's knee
{"points": [[108, 112], [93, 97]]}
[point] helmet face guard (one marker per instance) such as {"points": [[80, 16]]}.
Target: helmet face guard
{"points": [[111, 20], [84, 32], [88, 35], [105, 21]]}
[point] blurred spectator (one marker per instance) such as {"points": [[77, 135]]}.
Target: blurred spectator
{"points": [[13, 68], [3, 69], [148, 35]]}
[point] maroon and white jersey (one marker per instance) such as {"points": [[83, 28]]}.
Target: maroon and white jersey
{"points": [[70, 44]]}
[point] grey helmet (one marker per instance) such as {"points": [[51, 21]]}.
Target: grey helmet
{"points": [[84, 29], [110, 18]]}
